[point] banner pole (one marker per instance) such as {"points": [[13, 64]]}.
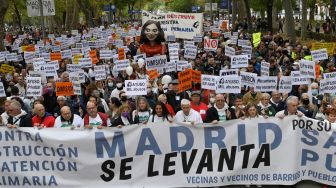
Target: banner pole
{"points": [[42, 18]]}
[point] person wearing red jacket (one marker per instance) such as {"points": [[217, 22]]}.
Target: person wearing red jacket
{"points": [[42, 118], [93, 118], [197, 105]]}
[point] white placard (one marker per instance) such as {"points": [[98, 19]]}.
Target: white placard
{"points": [[55, 63], [228, 84], [174, 45], [135, 87], [228, 72], [264, 68], [320, 54], [105, 54], [40, 74], [328, 86], [266, 84], [66, 54], [2, 90], [29, 55], [229, 51], [33, 8], [85, 62], [210, 44], [121, 65], [2, 57], [75, 51], [248, 79], [242, 42], [34, 87], [190, 51], [170, 67], [100, 73], [198, 39], [239, 61], [285, 84], [46, 56], [297, 79], [38, 63], [156, 62], [49, 69], [55, 48], [227, 34], [171, 38], [208, 82], [180, 65], [73, 67], [12, 57], [329, 75], [307, 68], [174, 54]]}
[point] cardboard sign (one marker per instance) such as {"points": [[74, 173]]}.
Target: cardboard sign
{"points": [[185, 79], [156, 62], [152, 74], [66, 54], [307, 69], [34, 87], [229, 51], [248, 79], [264, 69], [266, 84], [2, 90], [100, 73], [228, 84], [121, 54], [85, 62], [228, 72], [239, 61], [135, 87], [55, 56], [285, 84], [190, 52], [318, 55], [121, 65], [210, 44], [297, 79], [327, 86], [208, 82], [105, 54], [196, 76], [64, 89]]}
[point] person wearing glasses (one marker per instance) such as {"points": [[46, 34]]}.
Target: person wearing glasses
{"points": [[17, 116], [219, 112], [68, 119], [93, 118], [264, 107]]}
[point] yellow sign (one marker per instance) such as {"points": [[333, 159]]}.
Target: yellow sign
{"points": [[256, 39], [77, 57], [7, 68], [330, 46]]}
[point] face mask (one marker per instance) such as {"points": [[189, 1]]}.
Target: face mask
{"points": [[110, 84], [48, 90], [305, 101], [125, 114], [314, 92], [212, 100], [124, 98]]}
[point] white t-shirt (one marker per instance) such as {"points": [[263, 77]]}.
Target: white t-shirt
{"points": [[77, 122], [158, 119], [98, 121], [143, 116], [193, 116]]}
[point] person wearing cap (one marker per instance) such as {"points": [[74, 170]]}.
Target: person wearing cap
{"points": [[197, 105], [187, 115], [174, 97]]}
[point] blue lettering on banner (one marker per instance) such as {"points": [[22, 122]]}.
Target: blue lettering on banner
{"points": [[218, 140], [174, 131], [102, 143], [153, 146]]}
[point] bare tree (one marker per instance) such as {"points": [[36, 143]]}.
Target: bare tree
{"points": [[289, 21], [304, 20]]}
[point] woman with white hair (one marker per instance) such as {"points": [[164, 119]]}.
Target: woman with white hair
{"points": [[187, 115], [264, 107]]}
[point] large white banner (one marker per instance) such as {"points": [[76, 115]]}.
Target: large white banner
{"points": [[251, 151], [33, 8], [182, 25]]}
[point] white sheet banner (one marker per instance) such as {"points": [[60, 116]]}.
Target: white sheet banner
{"points": [[251, 151], [33, 8], [182, 25]]}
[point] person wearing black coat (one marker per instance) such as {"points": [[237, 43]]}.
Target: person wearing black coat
{"points": [[174, 98], [17, 116]]}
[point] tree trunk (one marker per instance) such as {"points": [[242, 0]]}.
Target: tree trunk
{"points": [[312, 11], [234, 13], [17, 13], [275, 25], [304, 20], [289, 21], [3, 9], [74, 19], [242, 10], [248, 15], [269, 15], [332, 11], [85, 7]]}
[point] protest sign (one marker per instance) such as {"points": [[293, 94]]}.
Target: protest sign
{"points": [[198, 39], [12, 57], [228, 84], [229, 51], [181, 25], [210, 44], [34, 87], [182, 65], [264, 69], [49, 69], [38, 63], [196, 76], [135, 87], [130, 156], [248, 79], [266, 84], [239, 61], [73, 67], [174, 45], [247, 50], [174, 54], [329, 75], [256, 39], [170, 67], [66, 54], [330, 46], [85, 62], [55, 48], [328, 86], [121, 54], [7, 68], [152, 74], [156, 62], [318, 55], [121, 65], [2, 57], [171, 38], [242, 42], [285, 84], [105, 54], [64, 89], [2, 90], [307, 68], [137, 57], [28, 56], [75, 51], [223, 25], [190, 52], [55, 56], [46, 56], [208, 82], [33, 8], [228, 72], [297, 79], [39, 74], [100, 73], [184, 79]]}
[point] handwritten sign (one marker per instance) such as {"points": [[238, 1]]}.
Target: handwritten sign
{"points": [[185, 79], [64, 89]]}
